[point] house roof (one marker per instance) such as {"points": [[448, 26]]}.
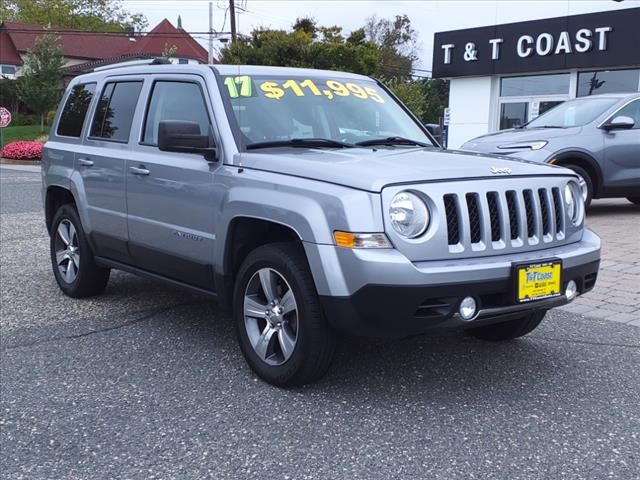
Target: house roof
{"points": [[164, 36], [8, 52], [92, 46], [74, 43]]}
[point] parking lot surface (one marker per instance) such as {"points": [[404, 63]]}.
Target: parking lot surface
{"points": [[617, 293], [146, 382]]}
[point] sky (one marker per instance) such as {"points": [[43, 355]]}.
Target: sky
{"points": [[427, 16]]}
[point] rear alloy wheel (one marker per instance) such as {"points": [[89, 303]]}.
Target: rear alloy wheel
{"points": [[635, 200], [280, 324], [73, 264], [510, 330]]}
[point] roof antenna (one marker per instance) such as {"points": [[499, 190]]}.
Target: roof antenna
{"points": [[179, 21]]}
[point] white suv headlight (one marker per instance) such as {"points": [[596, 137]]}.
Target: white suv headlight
{"points": [[409, 215], [574, 202]]}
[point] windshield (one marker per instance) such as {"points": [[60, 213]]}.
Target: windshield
{"points": [[330, 109], [573, 113]]}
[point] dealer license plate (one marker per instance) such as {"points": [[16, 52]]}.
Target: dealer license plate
{"points": [[538, 281]]}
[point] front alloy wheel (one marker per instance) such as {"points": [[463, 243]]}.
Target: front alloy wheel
{"points": [[271, 316], [280, 323]]}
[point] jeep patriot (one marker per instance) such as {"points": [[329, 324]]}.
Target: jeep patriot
{"points": [[310, 203]]}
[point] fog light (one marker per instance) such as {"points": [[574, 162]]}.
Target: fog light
{"points": [[468, 308], [572, 290]]}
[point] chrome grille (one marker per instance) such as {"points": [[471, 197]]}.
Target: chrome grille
{"points": [[515, 217]]}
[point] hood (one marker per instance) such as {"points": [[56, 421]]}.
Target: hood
{"points": [[489, 143], [372, 170]]}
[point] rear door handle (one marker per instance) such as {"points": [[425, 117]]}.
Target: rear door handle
{"points": [[83, 162], [139, 171]]}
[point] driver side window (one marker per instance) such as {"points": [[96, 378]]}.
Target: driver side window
{"points": [[175, 101]]}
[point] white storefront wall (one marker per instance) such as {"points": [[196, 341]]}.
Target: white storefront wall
{"points": [[475, 102]]}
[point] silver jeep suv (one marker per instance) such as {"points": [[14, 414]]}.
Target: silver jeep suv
{"points": [[309, 203], [597, 137]]}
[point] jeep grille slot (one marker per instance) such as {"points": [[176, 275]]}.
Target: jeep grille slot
{"points": [[557, 208], [451, 211], [473, 209], [528, 206], [513, 214], [544, 211], [494, 216]]}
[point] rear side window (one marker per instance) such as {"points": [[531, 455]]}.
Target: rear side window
{"points": [[75, 110], [114, 114], [175, 101]]}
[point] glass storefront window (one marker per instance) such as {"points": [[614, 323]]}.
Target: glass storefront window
{"points": [[555, 84], [513, 115], [609, 81]]}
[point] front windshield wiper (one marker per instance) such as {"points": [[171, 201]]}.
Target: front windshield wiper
{"points": [[544, 126], [392, 141], [301, 143]]}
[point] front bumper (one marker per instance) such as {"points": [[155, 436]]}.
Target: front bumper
{"points": [[381, 293]]}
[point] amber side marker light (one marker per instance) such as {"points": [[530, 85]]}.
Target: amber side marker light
{"points": [[361, 240]]}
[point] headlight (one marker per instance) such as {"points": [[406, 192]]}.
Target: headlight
{"points": [[409, 215], [572, 199], [524, 145]]}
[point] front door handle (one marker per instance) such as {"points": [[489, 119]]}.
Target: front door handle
{"points": [[139, 171], [84, 162]]}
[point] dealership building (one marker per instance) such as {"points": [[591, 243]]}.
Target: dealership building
{"points": [[503, 76]]}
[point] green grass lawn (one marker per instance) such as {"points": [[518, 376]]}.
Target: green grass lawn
{"points": [[26, 132]]}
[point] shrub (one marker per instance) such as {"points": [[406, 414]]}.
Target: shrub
{"points": [[22, 150], [23, 119]]}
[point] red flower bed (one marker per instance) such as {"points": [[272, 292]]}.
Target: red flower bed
{"points": [[22, 150]]}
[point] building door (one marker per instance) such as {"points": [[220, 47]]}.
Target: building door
{"points": [[525, 98], [514, 113]]}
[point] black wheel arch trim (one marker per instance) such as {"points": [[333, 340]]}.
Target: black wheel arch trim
{"points": [[565, 158]]}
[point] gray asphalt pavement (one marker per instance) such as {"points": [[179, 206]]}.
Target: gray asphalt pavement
{"points": [[146, 382]]}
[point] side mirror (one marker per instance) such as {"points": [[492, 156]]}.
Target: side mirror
{"points": [[619, 123], [184, 137]]}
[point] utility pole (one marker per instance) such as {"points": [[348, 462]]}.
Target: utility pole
{"points": [[232, 18], [210, 33]]}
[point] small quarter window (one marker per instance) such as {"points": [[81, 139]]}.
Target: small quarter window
{"points": [[114, 113], [175, 101], [75, 110]]}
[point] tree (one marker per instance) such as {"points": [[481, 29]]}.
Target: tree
{"points": [[307, 45], [94, 15], [412, 93], [40, 85], [398, 44]]}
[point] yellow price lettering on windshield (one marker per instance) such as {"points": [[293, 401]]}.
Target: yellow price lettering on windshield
{"points": [[330, 90], [271, 90], [244, 82]]}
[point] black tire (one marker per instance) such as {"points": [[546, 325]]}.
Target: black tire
{"points": [[510, 330], [90, 279], [587, 180], [315, 341], [635, 200]]}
